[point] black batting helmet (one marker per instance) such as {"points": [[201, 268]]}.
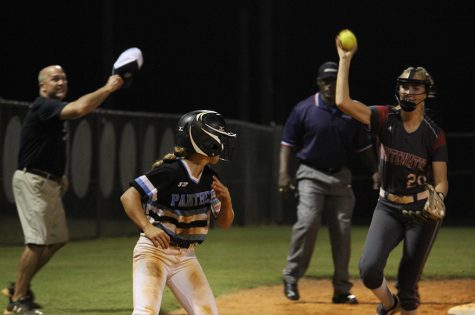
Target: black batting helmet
{"points": [[204, 132]]}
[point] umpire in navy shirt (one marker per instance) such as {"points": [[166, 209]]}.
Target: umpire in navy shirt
{"points": [[38, 184], [322, 139]]}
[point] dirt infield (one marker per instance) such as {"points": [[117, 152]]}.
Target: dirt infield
{"points": [[438, 296]]}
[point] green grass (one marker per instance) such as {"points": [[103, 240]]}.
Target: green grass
{"points": [[94, 277]]}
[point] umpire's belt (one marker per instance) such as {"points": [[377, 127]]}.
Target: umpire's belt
{"points": [[42, 174], [328, 170], [403, 199]]}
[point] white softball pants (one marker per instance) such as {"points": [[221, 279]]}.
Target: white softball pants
{"points": [[177, 268]]}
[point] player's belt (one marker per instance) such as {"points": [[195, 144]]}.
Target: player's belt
{"points": [[182, 245], [403, 199], [42, 174]]}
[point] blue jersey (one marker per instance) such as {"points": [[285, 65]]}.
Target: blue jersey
{"points": [[406, 158], [177, 202], [324, 137]]}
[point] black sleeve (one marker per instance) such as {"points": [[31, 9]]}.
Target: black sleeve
{"points": [[50, 108], [152, 182]]}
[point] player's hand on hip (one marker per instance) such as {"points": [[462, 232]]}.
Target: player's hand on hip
{"points": [[158, 237]]}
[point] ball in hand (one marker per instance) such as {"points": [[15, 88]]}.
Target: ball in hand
{"points": [[347, 39]]}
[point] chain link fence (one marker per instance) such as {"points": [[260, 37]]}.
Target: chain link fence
{"points": [[107, 149]]}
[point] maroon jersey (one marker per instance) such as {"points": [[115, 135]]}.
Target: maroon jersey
{"points": [[405, 164]]}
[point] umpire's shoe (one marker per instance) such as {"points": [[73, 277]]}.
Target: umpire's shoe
{"points": [[291, 291], [345, 298]]}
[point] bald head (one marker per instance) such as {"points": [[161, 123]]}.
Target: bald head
{"points": [[44, 72], [52, 82]]}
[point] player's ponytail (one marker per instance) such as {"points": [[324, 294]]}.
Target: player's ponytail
{"points": [[179, 153]]}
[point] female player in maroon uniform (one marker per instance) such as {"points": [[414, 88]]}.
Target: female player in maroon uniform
{"points": [[172, 205], [413, 153]]}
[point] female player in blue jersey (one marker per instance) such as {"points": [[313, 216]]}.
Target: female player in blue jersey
{"points": [[413, 153], [172, 205]]}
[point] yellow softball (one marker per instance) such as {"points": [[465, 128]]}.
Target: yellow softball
{"points": [[347, 39]]}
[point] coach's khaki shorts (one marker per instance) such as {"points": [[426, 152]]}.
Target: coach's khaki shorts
{"points": [[40, 208]]}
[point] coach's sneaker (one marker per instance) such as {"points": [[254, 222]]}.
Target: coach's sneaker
{"points": [[22, 306], [381, 311], [30, 296]]}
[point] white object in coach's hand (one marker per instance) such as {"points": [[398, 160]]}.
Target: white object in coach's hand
{"points": [[128, 64]]}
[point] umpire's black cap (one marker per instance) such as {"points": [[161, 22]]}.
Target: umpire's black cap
{"points": [[328, 70]]}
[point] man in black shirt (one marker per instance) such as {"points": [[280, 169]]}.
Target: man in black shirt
{"points": [[39, 182]]}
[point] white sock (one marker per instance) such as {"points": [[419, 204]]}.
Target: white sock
{"points": [[384, 295]]}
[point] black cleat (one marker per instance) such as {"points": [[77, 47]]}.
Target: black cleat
{"points": [[291, 291], [345, 298], [381, 311]]}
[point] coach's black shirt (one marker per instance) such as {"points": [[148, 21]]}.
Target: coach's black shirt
{"points": [[43, 137]]}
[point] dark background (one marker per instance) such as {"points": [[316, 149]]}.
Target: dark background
{"points": [[249, 60]]}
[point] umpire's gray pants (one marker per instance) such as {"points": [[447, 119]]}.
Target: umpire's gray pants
{"points": [[332, 195]]}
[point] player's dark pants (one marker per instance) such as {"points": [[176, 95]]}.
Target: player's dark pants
{"points": [[388, 228]]}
